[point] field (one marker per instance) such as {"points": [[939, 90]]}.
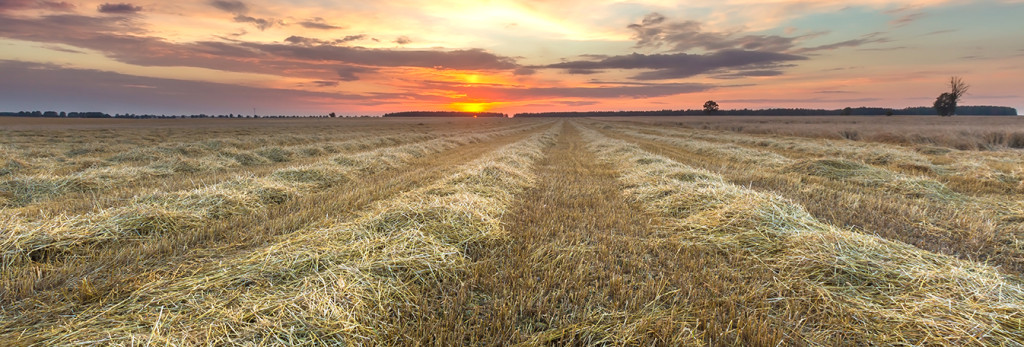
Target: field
{"points": [[606, 231]]}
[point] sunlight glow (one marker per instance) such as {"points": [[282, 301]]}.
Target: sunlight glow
{"points": [[474, 107]]}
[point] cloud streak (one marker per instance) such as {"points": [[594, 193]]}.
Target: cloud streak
{"points": [[122, 8], [241, 12], [656, 31], [682, 65], [301, 57], [114, 92], [230, 6], [318, 23]]}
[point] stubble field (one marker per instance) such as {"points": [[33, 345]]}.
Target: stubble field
{"points": [[666, 231]]}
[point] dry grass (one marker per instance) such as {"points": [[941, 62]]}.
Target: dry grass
{"points": [[498, 232], [968, 172], [327, 284], [829, 274], [965, 133], [239, 196], [82, 158], [912, 208]]}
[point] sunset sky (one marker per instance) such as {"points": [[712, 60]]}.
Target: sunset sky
{"points": [[371, 57]]}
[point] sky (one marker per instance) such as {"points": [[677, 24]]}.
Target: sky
{"points": [[309, 57]]}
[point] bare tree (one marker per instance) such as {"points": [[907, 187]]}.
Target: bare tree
{"points": [[946, 103]]}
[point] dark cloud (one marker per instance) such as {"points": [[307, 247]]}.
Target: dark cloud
{"points": [[510, 93], [241, 12], [231, 6], [656, 31], [403, 40], [576, 103], [750, 73], [582, 71], [349, 73], [45, 85], [467, 59], [307, 41], [62, 6], [299, 40], [866, 39], [613, 92], [62, 49], [260, 23], [326, 83], [6, 5], [223, 49], [653, 18], [121, 40], [523, 71], [122, 8], [680, 65], [315, 25], [353, 38], [57, 6], [318, 23]]}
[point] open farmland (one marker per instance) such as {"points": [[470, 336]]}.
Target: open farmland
{"points": [[505, 231]]}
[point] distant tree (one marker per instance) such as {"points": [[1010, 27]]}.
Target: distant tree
{"points": [[847, 111], [945, 104], [710, 107], [333, 115], [888, 113]]}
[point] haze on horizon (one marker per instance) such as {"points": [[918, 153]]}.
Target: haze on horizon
{"points": [[314, 57]]}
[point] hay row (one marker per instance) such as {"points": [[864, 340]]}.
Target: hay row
{"points": [[992, 168], [22, 190], [76, 152], [24, 240], [27, 189], [334, 284], [163, 212], [846, 285], [126, 151], [214, 154], [872, 153], [833, 169], [935, 217]]}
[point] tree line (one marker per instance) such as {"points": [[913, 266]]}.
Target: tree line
{"points": [[55, 114], [446, 114], [849, 111]]}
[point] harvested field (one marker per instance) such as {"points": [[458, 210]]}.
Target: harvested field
{"points": [[964, 133], [503, 231]]}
